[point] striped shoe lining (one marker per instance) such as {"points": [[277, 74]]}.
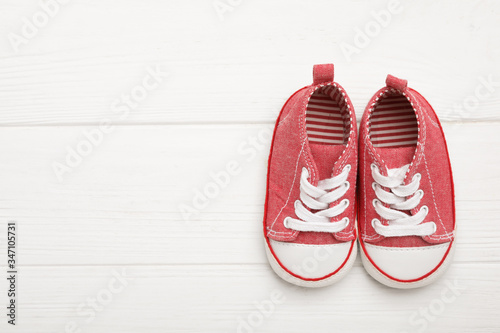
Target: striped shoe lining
{"points": [[393, 123], [327, 117]]}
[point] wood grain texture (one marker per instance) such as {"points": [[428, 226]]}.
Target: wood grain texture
{"points": [[217, 298], [68, 74], [118, 210], [122, 205]]}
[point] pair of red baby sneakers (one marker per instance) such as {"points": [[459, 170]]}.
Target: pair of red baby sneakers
{"points": [[396, 179]]}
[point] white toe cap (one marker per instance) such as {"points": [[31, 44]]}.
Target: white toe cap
{"points": [[311, 261], [407, 263]]}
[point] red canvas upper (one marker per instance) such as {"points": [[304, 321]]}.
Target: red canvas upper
{"points": [[429, 158], [291, 151]]}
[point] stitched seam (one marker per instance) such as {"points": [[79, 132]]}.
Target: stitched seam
{"points": [[277, 233], [346, 233], [374, 237], [291, 187], [416, 249], [433, 196], [422, 133], [283, 120], [368, 126], [431, 120], [448, 235], [344, 162], [303, 131], [351, 123], [310, 245], [427, 114]]}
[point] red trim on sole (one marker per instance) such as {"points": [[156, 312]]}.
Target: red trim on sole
{"points": [[405, 281], [310, 279]]}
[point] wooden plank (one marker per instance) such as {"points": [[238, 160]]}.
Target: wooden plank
{"points": [[225, 298], [235, 71], [122, 204]]}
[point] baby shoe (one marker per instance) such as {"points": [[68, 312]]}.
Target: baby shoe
{"points": [[309, 217], [406, 213]]}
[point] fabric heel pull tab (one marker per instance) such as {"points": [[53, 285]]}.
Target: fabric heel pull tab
{"points": [[396, 83], [322, 73]]}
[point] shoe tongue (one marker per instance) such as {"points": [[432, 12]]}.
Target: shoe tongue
{"points": [[396, 157], [325, 157]]}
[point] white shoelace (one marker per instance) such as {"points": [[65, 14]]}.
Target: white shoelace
{"points": [[399, 223], [319, 198]]}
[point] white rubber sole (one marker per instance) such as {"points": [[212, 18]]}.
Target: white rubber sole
{"points": [[308, 283], [377, 275]]}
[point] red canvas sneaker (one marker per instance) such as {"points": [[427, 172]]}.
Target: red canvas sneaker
{"points": [[406, 215], [311, 184]]}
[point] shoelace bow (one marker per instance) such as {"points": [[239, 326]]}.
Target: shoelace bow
{"points": [[319, 198], [399, 223]]}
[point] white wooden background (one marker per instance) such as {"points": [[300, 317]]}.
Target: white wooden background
{"points": [[118, 212]]}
